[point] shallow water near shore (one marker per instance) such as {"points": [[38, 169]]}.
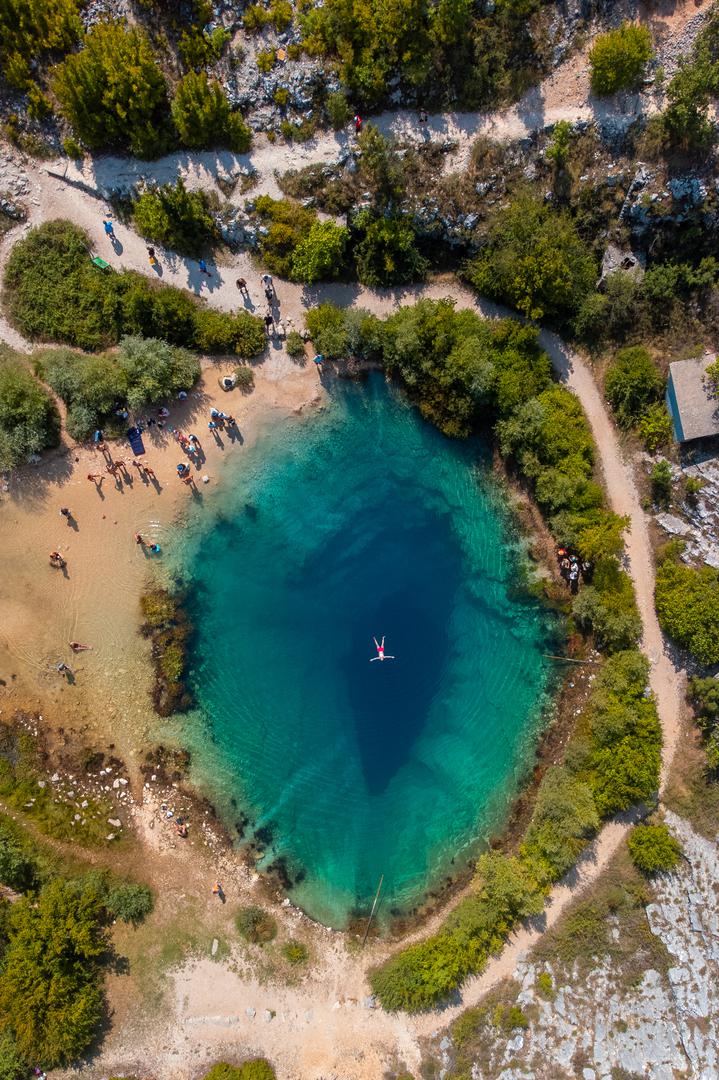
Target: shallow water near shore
{"points": [[362, 520]]}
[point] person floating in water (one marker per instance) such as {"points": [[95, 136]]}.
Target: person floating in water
{"points": [[381, 655]]}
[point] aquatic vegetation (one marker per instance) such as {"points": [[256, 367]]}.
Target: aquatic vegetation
{"points": [[168, 627]]}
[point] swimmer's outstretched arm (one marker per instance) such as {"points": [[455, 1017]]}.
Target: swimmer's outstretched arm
{"points": [[387, 657], [373, 658]]}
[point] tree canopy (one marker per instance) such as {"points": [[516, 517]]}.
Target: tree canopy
{"points": [[618, 58], [29, 421]]}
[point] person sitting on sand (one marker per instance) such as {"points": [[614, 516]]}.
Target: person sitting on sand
{"points": [[56, 559]]}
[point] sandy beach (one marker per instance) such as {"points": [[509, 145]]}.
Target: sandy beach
{"points": [[95, 600]]}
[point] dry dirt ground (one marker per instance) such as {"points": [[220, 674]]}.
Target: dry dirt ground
{"points": [[320, 1026]]}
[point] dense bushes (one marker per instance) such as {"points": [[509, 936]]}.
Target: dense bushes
{"points": [[687, 601], [29, 421], [535, 261], [632, 384], [300, 247], [612, 762], [618, 58], [31, 27], [54, 946], [175, 217], [452, 52], [113, 92], [143, 372], [653, 848], [53, 292], [202, 116], [704, 697]]}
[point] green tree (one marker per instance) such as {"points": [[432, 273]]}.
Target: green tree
{"points": [[687, 602], [29, 421], [50, 998], [618, 58], [505, 881], [655, 427], [155, 370], [113, 91], [175, 217], [202, 115], [632, 384], [535, 261], [661, 481], [326, 326], [320, 256], [653, 848], [31, 27], [558, 148], [385, 251], [129, 902]]}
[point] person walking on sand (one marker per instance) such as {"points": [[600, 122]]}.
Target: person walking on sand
{"points": [[218, 891], [269, 322], [109, 231], [267, 282], [242, 286], [95, 478], [149, 472]]}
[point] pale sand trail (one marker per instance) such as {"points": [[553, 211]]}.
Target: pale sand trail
{"points": [[320, 1029]]}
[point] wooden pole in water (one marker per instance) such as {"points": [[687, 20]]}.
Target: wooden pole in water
{"points": [[371, 914]]}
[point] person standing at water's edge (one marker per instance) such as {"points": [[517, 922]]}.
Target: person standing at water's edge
{"points": [[381, 655]]}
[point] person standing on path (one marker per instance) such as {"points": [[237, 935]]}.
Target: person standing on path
{"points": [[203, 268], [109, 231], [357, 123], [242, 286]]}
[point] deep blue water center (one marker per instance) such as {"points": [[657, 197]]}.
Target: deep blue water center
{"points": [[362, 520]]}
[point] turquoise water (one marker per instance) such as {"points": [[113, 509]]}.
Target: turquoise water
{"points": [[358, 521]]}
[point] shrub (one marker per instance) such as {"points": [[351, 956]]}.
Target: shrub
{"points": [[631, 384], [155, 370], [338, 110], [245, 378], [655, 427], [621, 724], [687, 601], [661, 481], [249, 335], [175, 217], [256, 925], [129, 902], [564, 817], [29, 28], [255, 1069], [289, 225], [326, 325], [618, 58], [653, 848], [113, 92], [265, 61], [295, 345], [53, 292], [320, 255], [202, 116], [255, 18], [558, 149], [295, 952], [29, 421], [12, 1066], [385, 251], [280, 14], [50, 998], [535, 261], [421, 975]]}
